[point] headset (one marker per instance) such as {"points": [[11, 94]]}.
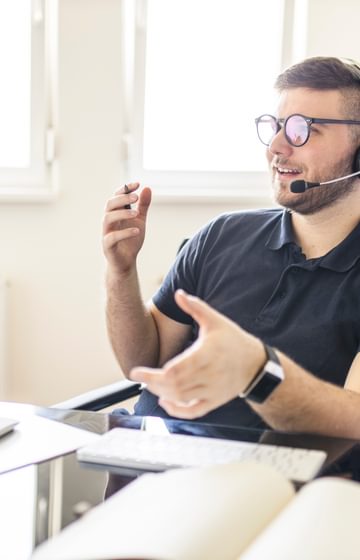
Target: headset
{"points": [[356, 164], [301, 186]]}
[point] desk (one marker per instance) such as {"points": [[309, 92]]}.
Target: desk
{"points": [[39, 500]]}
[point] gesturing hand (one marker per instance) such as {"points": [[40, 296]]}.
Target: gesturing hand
{"points": [[214, 370], [124, 227]]}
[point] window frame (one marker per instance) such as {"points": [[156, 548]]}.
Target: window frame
{"points": [[248, 187], [38, 182]]}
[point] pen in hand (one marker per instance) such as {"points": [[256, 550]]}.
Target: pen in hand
{"points": [[126, 190]]}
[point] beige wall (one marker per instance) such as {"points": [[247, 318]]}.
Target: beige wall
{"points": [[51, 252], [333, 28]]}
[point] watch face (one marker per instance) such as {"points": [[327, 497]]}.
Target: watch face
{"points": [[264, 387], [266, 380]]}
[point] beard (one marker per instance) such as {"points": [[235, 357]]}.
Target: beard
{"points": [[318, 198]]}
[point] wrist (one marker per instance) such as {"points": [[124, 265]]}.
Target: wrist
{"points": [[266, 379], [122, 289], [257, 358], [116, 276]]}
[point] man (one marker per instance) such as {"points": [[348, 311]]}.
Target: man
{"points": [[286, 278]]}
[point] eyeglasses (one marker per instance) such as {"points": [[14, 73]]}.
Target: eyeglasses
{"points": [[296, 128]]}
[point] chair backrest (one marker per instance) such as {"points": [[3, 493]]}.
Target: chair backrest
{"points": [[184, 241]]}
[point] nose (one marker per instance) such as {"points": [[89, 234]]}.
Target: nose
{"points": [[279, 144]]}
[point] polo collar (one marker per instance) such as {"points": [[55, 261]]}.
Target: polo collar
{"points": [[340, 259], [345, 255], [282, 233]]}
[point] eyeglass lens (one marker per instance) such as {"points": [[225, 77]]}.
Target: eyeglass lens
{"points": [[267, 127], [296, 129]]}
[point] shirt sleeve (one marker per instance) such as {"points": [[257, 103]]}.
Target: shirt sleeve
{"points": [[183, 274]]}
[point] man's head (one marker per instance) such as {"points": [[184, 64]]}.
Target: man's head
{"points": [[327, 73], [318, 88]]}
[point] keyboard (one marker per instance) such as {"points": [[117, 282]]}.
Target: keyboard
{"points": [[146, 451]]}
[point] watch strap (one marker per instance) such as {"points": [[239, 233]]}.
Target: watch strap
{"points": [[267, 378]]}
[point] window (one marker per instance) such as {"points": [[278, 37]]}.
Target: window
{"points": [[204, 69], [26, 132]]}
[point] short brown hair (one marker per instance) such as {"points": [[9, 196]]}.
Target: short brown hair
{"points": [[326, 73], [321, 72]]}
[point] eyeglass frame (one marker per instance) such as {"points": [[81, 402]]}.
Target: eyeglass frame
{"points": [[281, 123]]}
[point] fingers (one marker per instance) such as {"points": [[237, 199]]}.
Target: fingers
{"points": [[128, 188], [144, 201], [187, 411], [118, 209], [121, 200], [124, 221], [169, 384], [200, 311], [177, 400], [126, 195], [112, 219]]}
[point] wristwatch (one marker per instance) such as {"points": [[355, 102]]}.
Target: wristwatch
{"points": [[266, 379]]}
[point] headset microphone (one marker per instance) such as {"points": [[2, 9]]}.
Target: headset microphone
{"points": [[301, 186]]}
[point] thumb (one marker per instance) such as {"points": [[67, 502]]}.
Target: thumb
{"points": [[200, 311], [144, 201]]}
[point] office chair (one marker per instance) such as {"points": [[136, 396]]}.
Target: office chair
{"points": [[103, 397]]}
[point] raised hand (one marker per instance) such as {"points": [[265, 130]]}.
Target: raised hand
{"points": [[124, 227], [214, 370]]}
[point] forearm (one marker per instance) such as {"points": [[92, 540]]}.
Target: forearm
{"points": [[131, 327], [218, 366], [304, 403]]}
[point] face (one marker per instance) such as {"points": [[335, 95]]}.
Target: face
{"points": [[327, 154]]}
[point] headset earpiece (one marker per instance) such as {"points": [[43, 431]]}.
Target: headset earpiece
{"points": [[356, 166]]}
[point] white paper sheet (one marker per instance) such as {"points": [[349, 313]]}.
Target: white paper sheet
{"points": [[36, 439], [18, 491]]}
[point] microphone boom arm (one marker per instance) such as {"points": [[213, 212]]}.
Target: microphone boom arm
{"points": [[301, 186]]}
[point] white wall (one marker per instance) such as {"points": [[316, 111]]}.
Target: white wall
{"points": [[51, 253]]}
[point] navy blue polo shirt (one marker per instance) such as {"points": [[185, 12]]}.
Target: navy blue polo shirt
{"points": [[248, 266]]}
